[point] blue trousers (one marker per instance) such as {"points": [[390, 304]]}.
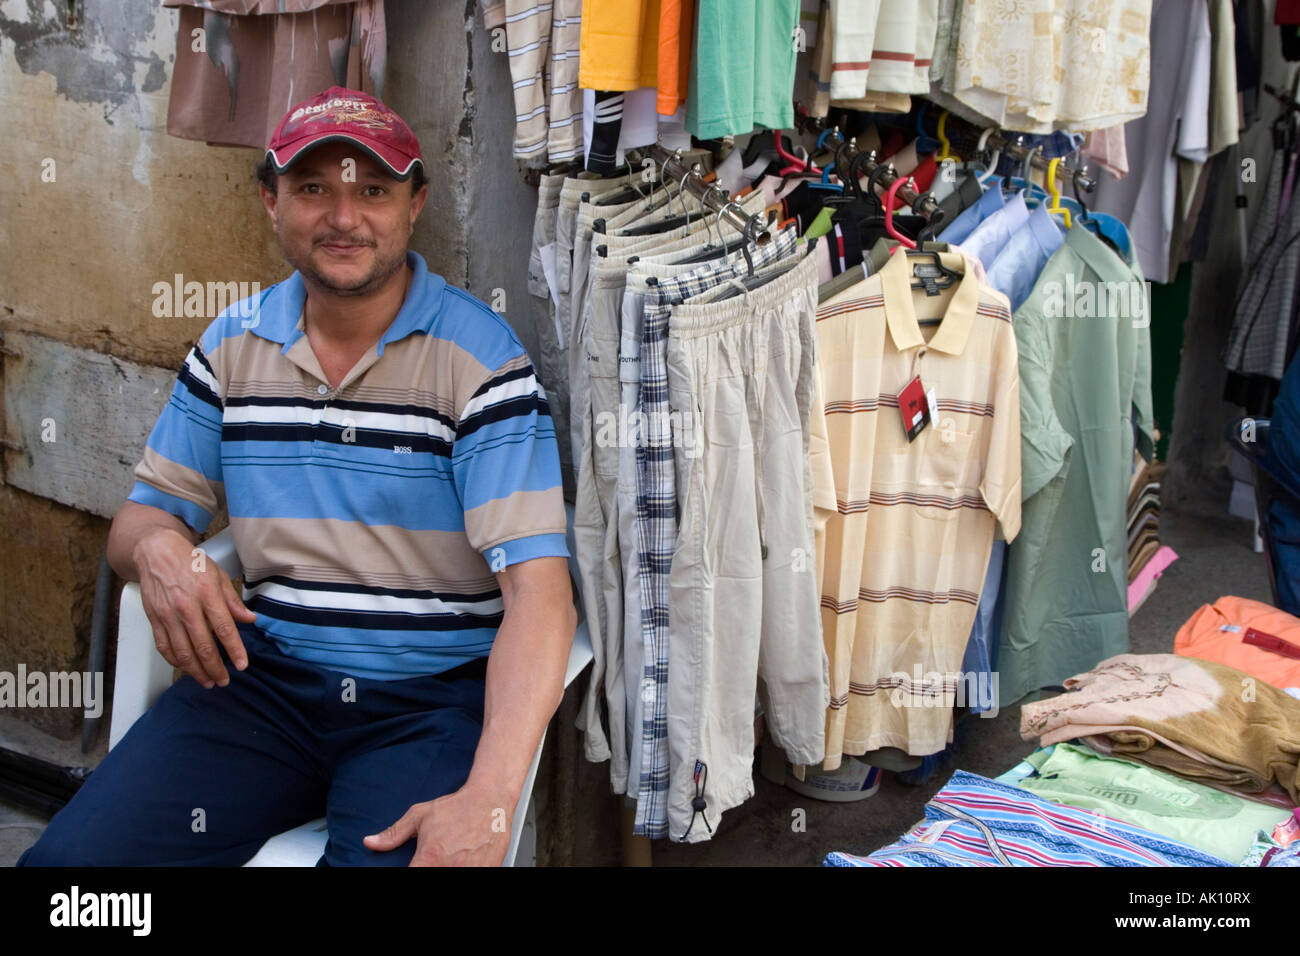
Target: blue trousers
{"points": [[205, 777]]}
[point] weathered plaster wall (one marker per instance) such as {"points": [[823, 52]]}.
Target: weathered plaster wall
{"points": [[128, 206]]}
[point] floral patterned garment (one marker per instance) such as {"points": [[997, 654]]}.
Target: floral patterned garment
{"points": [[1205, 721], [1041, 65]]}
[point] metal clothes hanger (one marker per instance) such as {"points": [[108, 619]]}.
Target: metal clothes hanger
{"points": [[745, 236]]}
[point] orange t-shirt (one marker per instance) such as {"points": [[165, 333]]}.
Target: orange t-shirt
{"points": [[619, 48], [1215, 632], [676, 28]]}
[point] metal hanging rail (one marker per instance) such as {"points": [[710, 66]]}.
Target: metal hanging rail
{"points": [[1009, 144], [710, 195], [1018, 150], [922, 204]]}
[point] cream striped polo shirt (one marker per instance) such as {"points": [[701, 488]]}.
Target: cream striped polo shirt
{"points": [[905, 529]]}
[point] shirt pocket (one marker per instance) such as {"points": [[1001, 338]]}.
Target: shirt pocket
{"points": [[949, 459]]}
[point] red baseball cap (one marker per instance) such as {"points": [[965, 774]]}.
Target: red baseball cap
{"points": [[343, 115]]}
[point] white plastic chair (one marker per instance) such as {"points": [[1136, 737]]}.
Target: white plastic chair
{"points": [[142, 675]]}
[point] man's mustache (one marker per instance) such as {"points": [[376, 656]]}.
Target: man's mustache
{"points": [[342, 240]]}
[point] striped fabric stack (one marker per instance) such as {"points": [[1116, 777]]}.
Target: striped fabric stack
{"points": [[974, 821], [1146, 557]]}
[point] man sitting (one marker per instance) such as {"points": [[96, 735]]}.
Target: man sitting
{"points": [[388, 463]]}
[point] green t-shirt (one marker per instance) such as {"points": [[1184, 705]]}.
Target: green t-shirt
{"points": [[742, 67], [1208, 819]]}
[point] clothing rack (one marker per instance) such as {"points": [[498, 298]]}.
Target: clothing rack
{"points": [[1009, 144], [1018, 150], [710, 195], [923, 204]]}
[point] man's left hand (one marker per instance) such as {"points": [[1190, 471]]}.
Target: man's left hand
{"points": [[465, 828]]}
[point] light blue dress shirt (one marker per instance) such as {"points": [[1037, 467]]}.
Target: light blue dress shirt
{"points": [[970, 217], [1016, 267], [992, 234]]}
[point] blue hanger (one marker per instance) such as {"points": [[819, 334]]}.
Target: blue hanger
{"points": [[923, 139], [825, 182], [825, 135]]}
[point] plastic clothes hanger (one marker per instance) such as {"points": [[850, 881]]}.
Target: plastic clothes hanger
{"points": [[625, 193], [890, 195], [945, 148], [1055, 208], [867, 196], [1086, 220], [945, 279], [1030, 190], [796, 164], [991, 164], [826, 134], [825, 182], [874, 227], [711, 250], [924, 142], [873, 183], [848, 194]]}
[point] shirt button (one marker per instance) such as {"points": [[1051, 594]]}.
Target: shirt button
{"points": [[647, 690], [322, 389]]}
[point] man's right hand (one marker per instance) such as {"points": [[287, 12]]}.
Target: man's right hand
{"points": [[191, 605]]}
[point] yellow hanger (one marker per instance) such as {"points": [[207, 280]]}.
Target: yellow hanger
{"points": [[944, 146], [1055, 191]]}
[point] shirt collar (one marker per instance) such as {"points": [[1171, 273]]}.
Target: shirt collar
{"points": [[992, 200], [279, 316], [1099, 257], [1042, 227], [900, 313]]}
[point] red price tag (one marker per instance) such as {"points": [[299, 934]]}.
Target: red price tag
{"points": [[914, 408]]}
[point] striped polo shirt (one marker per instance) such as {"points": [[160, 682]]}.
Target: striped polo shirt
{"points": [[905, 528], [369, 518]]}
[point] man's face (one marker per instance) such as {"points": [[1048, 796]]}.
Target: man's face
{"points": [[342, 220]]}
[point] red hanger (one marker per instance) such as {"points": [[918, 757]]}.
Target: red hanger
{"points": [[890, 194], [797, 165]]}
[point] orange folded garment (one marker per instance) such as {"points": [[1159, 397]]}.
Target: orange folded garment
{"points": [[1218, 632]]}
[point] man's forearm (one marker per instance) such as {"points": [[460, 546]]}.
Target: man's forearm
{"points": [[132, 523], [525, 683]]}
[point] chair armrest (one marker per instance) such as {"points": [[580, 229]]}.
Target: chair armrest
{"points": [[141, 674], [580, 654]]}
